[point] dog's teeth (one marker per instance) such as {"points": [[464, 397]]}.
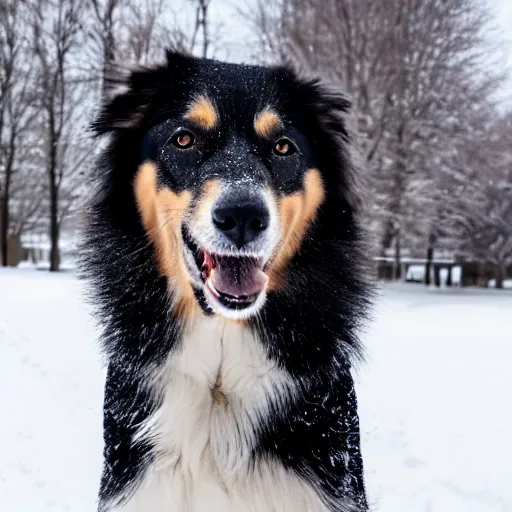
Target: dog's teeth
{"points": [[212, 288]]}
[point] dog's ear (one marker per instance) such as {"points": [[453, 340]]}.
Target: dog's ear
{"points": [[132, 94], [331, 107], [129, 100], [323, 107], [326, 105]]}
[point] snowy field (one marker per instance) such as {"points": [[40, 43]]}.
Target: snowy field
{"points": [[435, 398]]}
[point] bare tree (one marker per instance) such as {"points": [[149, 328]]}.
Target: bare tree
{"points": [[201, 26], [19, 114], [103, 35], [144, 32], [29, 204], [151, 26], [9, 49], [56, 34], [477, 219], [16, 109]]}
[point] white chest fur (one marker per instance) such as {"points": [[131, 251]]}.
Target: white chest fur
{"points": [[217, 388]]}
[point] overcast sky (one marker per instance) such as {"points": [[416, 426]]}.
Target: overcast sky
{"points": [[505, 9], [504, 17]]}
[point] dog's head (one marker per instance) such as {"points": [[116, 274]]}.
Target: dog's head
{"points": [[235, 165]]}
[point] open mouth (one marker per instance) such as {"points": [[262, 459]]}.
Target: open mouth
{"points": [[234, 281]]}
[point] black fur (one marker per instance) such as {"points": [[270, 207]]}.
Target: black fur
{"points": [[309, 327]]}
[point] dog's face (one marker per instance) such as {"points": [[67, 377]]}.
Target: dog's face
{"points": [[235, 194], [230, 178]]}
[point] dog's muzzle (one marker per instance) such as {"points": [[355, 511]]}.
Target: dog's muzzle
{"points": [[230, 250]]}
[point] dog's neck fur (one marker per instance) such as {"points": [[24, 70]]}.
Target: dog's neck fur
{"points": [[218, 387], [218, 390]]}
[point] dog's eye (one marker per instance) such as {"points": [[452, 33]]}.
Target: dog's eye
{"points": [[284, 147], [183, 139]]}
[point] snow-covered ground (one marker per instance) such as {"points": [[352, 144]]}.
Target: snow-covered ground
{"points": [[435, 398], [50, 395]]}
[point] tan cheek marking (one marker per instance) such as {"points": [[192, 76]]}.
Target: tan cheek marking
{"points": [[267, 122], [290, 213], [162, 213], [314, 195], [145, 195], [202, 112], [297, 212]]}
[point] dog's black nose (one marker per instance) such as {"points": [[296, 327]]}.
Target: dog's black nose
{"points": [[241, 220]]}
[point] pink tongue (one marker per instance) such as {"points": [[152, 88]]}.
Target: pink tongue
{"points": [[238, 276]]}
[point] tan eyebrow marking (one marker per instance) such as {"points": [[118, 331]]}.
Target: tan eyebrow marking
{"points": [[266, 122], [202, 112]]}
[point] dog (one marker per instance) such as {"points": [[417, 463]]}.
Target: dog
{"points": [[224, 251]]}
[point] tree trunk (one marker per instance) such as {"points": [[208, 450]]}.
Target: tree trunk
{"points": [[449, 279], [482, 279], [428, 265], [204, 17], [437, 276], [387, 237], [396, 263], [4, 230], [108, 60], [54, 232], [4, 213], [54, 200], [500, 274]]}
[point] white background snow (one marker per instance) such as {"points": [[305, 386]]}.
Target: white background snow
{"points": [[435, 398]]}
